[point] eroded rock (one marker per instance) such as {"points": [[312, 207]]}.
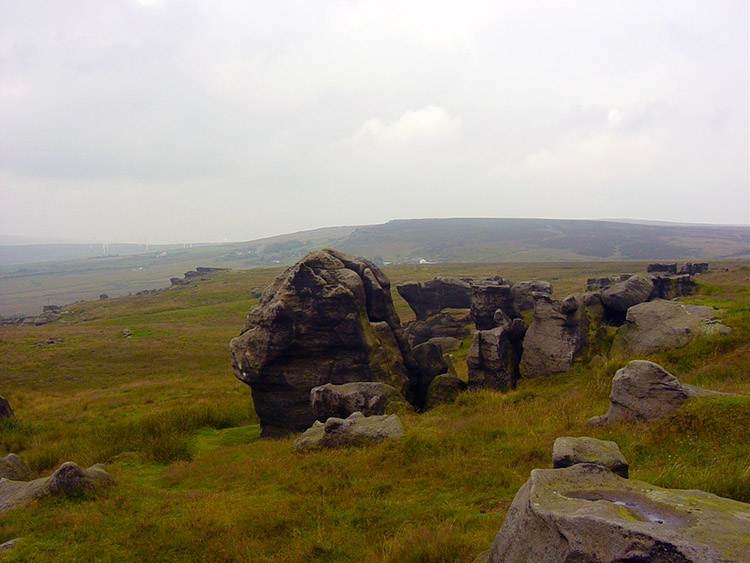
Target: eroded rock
{"points": [[587, 514], [355, 430], [369, 398], [623, 295], [493, 360], [431, 297], [569, 451]]}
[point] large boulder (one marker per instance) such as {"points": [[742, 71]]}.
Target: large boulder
{"points": [[623, 295], [12, 467], [66, 480], [368, 397], [493, 359], [355, 430], [430, 297], [643, 391], [569, 451], [525, 293], [327, 319], [443, 389], [694, 268], [662, 325], [587, 514], [596, 284], [671, 287], [487, 297], [439, 325], [560, 333], [5, 410]]}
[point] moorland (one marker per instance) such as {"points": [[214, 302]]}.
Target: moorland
{"points": [[143, 384]]}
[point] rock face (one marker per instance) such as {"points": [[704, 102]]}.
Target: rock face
{"points": [[571, 451], [493, 359], [661, 325], [443, 389], [644, 391], [356, 430], [438, 325], [587, 514], [560, 333], [369, 398], [430, 297], [430, 363], [670, 287], [623, 295], [5, 410], [68, 479], [486, 298], [327, 319], [12, 467]]}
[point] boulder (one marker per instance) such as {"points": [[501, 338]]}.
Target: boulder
{"points": [[623, 295], [587, 514], [355, 430], [569, 451], [486, 298], [662, 325], [430, 362], [66, 480], [369, 398], [525, 293], [596, 284], [327, 319], [12, 467], [440, 325], [643, 391], [694, 268], [561, 333], [443, 389], [662, 268], [670, 287], [5, 410], [446, 343], [493, 360], [430, 297]]}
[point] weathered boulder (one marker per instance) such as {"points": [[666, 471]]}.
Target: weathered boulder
{"points": [[368, 397], [5, 410], [525, 293], [327, 319], [443, 389], [623, 295], [643, 391], [446, 343], [439, 325], [596, 284], [486, 298], [12, 467], [587, 514], [662, 325], [430, 362], [430, 297], [670, 287], [662, 268], [66, 480], [560, 333], [569, 451], [694, 268], [355, 430], [493, 360]]}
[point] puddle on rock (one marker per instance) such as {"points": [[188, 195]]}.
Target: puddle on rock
{"points": [[642, 507]]}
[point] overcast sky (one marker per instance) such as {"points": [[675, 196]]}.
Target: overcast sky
{"points": [[189, 120]]}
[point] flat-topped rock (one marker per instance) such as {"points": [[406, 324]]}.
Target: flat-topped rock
{"points": [[587, 514], [430, 297], [355, 430], [569, 451]]}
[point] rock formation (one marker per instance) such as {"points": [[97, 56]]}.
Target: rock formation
{"points": [[670, 287], [369, 398], [494, 357], [694, 268], [560, 333], [66, 480], [525, 293], [443, 324], [662, 268], [572, 451], [327, 319], [430, 297], [486, 298], [430, 363], [5, 410], [587, 514], [12, 467], [662, 325], [623, 295], [644, 391], [443, 389], [356, 430]]}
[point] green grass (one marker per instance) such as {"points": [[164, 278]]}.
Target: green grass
{"points": [[178, 433]]}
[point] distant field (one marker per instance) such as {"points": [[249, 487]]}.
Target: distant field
{"points": [[178, 433]]}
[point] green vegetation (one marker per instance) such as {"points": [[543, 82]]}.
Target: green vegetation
{"points": [[177, 432]]}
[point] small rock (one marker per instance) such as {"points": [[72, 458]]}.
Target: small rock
{"points": [[12, 467], [443, 389], [571, 451], [356, 430]]}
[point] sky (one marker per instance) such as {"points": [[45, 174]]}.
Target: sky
{"points": [[198, 121]]}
